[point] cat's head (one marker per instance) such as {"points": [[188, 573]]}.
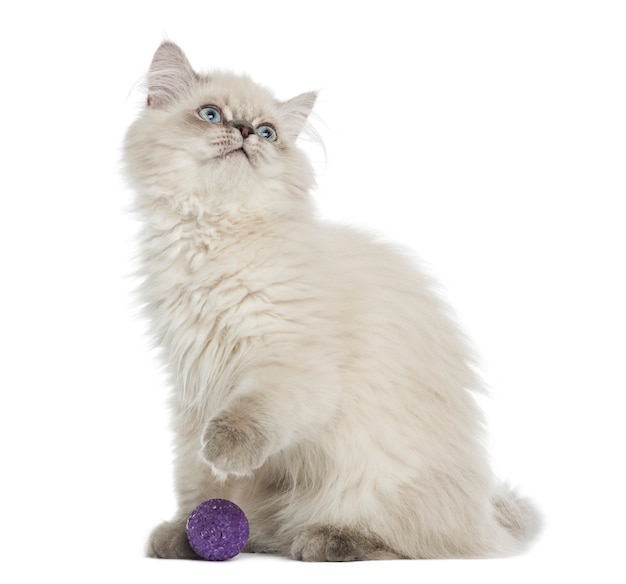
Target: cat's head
{"points": [[216, 141]]}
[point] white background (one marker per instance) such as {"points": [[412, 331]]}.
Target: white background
{"points": [[488, 136]]}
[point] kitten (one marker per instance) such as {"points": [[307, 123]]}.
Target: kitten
{"points": [[318, 380]]}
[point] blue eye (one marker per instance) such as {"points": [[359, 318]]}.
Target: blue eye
{"points": [[267, 132], [210, 113]]}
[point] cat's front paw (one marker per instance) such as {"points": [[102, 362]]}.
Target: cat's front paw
{"points": [[234, 444], [169, 541]]}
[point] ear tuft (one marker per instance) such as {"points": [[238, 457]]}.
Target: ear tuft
{"points": [[297, 111], [169, 76]]}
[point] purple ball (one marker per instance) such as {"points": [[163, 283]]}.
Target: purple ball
{"points": [[217, 530]]}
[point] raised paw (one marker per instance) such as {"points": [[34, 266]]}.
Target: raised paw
{"points": [[169, 541], [323, 543], [234, 444]]}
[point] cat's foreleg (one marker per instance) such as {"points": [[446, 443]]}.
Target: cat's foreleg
{"points": [[272, 408], [239, 438]]}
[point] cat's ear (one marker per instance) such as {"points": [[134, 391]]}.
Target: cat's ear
{"points": [[169, 76], [297, 110]]}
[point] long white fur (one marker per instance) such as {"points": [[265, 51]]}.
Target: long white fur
{"points": [[357, 367]]}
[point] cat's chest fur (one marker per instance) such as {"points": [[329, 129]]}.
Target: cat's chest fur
{"points": [[218, 291]]}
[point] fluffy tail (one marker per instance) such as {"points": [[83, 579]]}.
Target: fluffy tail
{"points": [[517, 515]]}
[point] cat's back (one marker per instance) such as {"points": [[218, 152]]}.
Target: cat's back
{"points": [[371, 278], [390, 313]]}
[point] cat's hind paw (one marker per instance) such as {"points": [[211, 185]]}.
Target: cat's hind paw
{"points": [[324, 543]]}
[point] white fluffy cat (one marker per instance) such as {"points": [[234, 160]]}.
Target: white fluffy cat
{"points": [[319, 382]]}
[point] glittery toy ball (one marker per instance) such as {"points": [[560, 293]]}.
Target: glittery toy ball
{"points": [[217, 530]]}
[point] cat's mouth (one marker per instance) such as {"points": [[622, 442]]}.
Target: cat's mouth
{"points": [[236, 152]]}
